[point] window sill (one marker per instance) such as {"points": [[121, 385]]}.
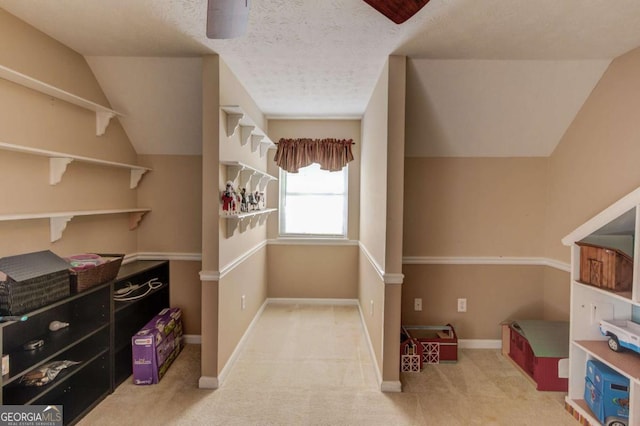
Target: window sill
{"points": [[313, 241]]}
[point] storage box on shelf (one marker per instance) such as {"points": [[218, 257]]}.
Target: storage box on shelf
{"points": [[31, 280], [598, 282], [85, 340]]}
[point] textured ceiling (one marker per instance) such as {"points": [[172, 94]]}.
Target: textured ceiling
{"points": [[321, 58]]}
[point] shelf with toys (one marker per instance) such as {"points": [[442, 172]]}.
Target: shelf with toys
{"points": [[243, 202], [605, 301]]}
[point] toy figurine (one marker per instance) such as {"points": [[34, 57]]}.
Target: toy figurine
{"points": [[229, 199], [243, 201]]}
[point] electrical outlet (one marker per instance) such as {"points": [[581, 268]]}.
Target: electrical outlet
{"points": [[417, 304], [243, 302], [462, 305]]}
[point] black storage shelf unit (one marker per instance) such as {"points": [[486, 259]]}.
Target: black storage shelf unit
{"points": [[131, 316], [98, 336], [85, 340]]}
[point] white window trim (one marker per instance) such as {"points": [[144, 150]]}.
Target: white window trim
{"points": [[328, 237]]}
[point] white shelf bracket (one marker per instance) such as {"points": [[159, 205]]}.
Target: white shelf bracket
{"points": [[102, 121], [136, 175], [256, 140], [233, 172], [254, 220], [134, 219], [246, 176], [245, 134], [57, 225], [232, 225], [233, 121], [264, 217], [244, 223], [264, 147], [57, 167], [262, 184]]}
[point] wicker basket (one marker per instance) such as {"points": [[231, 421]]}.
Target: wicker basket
{"points": [[86, 278]]}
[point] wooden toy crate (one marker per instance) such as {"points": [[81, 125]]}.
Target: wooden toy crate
{"points": [[605, 267]]}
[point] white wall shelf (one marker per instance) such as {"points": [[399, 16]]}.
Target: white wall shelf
{"points": [[590, 304], [58, 220], [59, 161], [103, 114], [249, 131], [242, 221], [247, 176]]}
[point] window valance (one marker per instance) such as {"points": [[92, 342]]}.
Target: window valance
{"points": [[331, 154]]}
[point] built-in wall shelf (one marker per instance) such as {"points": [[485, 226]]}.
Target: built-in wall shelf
{"points": [[58, 220], [243, 221], [247, 176], [103, 114], [59, 161], [249, 130]]}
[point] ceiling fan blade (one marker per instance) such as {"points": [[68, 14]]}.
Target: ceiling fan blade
{"points": [[397, 10], [227, 18]]}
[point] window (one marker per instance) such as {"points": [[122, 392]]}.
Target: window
{"points": [[313, 202]]}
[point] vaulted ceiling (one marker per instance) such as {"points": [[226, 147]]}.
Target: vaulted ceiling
{"points": [[486, 78]]}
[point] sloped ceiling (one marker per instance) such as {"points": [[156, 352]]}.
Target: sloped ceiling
{"points": [[321, 58]]}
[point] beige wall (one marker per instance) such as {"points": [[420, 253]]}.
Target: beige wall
{"points": [[474, 206], [381, 221], [248, 279], [313, 271], [494, 293], [36, 120], [299, 270], [463, 207], [243, 271], [596, 163], [210, 205], [32, 119], [185, 293]]}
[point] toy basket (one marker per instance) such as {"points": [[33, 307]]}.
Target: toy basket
{"points": [[107, 270]]}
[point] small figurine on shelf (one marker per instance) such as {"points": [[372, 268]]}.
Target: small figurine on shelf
{"points": [[229, 199], [262, 202], [251, 202], [243, 202]]}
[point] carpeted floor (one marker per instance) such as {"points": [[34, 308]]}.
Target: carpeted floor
{"points": [[310, 365]]}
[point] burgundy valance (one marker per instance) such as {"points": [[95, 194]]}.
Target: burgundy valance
{"points": [[331, 154]]}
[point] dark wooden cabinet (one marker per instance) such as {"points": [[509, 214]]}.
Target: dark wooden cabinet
{"points": [[87, 340], [131, 316], [98, 337]]}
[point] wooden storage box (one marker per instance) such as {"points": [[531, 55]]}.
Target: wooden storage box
{"points": [[605, 267], [30, 281]]}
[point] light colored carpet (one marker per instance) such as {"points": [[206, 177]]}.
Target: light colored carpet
{"points": [[310, 365]]}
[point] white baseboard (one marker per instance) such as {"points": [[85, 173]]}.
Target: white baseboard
{"points": [[372, 354], [240, 346], [479, 344], [192, 339], [391, 386], [207, 382], [311, 301]]}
